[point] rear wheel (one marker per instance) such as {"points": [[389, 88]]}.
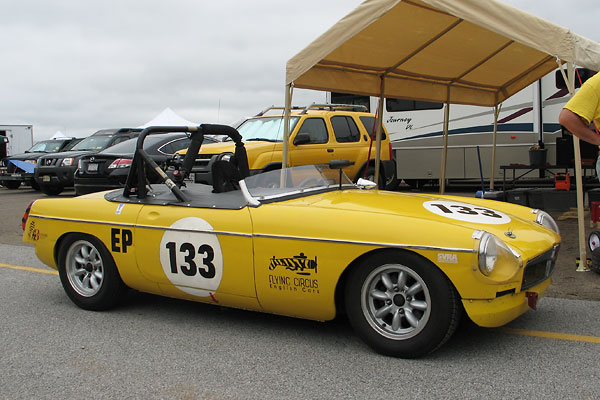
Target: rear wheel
{"points": [[51, 190], [11, 184], [401, 305], [88, 273]]}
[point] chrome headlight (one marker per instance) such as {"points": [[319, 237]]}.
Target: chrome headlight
{"points": [[493, 253], [544, 219], [67, 162]]}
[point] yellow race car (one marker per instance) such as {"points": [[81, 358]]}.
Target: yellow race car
{"points": [[303, 242]]}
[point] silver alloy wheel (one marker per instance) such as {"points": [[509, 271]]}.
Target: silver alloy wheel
{"points": [[84, 268], [395, 301]]}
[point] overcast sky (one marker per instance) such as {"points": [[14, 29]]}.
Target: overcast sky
{"points": [[81, 65]]}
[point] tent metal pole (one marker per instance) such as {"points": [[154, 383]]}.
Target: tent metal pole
{"points": [[289, 90], [445, 149], [493, 168], [286, 124], [582, 267], [378, 131]]}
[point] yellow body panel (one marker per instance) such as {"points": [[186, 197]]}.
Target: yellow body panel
{"points": [[288, 257]]}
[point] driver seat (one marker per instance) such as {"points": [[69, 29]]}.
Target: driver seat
{"points": [[226, 175]]}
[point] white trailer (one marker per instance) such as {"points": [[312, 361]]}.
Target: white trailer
{"points": [[15, 139], [530, 117]]}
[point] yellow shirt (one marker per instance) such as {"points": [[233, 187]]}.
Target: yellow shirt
{"points": [[586, 102]]}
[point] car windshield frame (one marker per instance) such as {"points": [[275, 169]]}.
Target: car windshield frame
{"points": [[269, 129], [281, 184]]}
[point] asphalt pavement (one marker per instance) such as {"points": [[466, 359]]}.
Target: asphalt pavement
{"points": [[158, 348]]}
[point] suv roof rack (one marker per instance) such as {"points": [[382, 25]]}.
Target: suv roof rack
{"points": [[318, 106]]}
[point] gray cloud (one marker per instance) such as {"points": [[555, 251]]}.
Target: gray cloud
{"points": [[80, 65]]}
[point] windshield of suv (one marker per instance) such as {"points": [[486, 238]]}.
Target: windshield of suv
{"points": [[46, 146], [294, 181], [93, 143], [269, 129]]}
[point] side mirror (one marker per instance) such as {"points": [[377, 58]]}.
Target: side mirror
{"points": [[365, 184], [302, 138]]}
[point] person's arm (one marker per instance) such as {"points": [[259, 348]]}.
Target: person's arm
{"points": [[577, 127]]}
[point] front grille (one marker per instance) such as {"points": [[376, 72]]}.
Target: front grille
{"points": [[539, 269], [47, 162]]}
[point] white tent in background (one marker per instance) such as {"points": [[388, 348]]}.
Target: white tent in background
{"points": [[168, 118], [59, 135]]}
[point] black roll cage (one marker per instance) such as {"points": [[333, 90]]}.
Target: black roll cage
{"points": [[136, 179]]}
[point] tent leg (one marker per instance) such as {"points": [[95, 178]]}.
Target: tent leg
{"points": [[378, 131], [579, 184], [289, 91], [493, 169], [445, 149]]}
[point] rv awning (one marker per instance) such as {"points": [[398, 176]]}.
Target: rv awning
{"points": [[476, 52]]}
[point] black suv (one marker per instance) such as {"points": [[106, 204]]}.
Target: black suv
{"points": [[19, 168], [55, 172]]}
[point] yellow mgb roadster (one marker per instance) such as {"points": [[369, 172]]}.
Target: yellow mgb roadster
{"points": [[303, 242]]}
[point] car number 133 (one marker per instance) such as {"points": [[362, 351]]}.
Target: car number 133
{"points": [[466, 212], [191, 257]]}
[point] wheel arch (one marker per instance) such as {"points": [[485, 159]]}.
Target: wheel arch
{"points": [[65, 235], [398, 252]]}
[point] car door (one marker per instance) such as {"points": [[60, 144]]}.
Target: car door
{"points": [[203, 252], [349, 144], [317, 149]]}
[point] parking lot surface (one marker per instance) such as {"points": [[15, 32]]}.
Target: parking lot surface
{"points": [[153, 347]]}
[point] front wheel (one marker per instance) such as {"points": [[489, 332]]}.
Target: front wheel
{"points": [[88, 273], [51, 190], [401, 305], [12, 185]]}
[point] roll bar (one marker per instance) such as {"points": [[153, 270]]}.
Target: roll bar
{"points": [[136, 180]]}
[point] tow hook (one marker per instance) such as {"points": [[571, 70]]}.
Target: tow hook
{"points": [[532, 298]]}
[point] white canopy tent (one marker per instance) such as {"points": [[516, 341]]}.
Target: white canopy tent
{"points": [[59, 135], [476, 52], [167, 117]]}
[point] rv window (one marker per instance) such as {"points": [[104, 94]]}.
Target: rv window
{"points": [[369, 125], [345, 129], [392, 105], [582, 73], [345, 98]]}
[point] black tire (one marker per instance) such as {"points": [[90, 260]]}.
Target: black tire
{"points": [[34, 185], [12, 185], [407, 320], [596, 260], [51, 190], [94, 284]]}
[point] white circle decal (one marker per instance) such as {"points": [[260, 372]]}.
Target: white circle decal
{"points": [[191, 256], [466, 212]]}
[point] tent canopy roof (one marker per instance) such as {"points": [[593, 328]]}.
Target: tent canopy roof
{"points": [[466, 52], [167, 117]]}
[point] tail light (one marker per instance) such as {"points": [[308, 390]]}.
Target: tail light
{"points": [[26, 215], [391, 152], [120, 163]]}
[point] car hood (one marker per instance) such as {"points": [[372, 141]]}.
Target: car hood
{"points": [[25, 156], [70, 154], [229, 147], [446, 220]]}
